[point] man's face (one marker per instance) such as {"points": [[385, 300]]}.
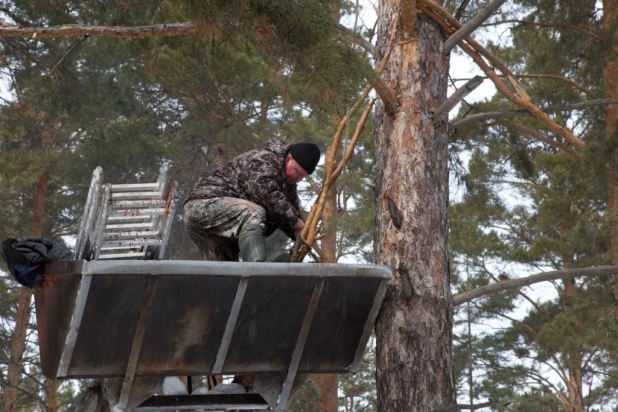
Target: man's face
{"points": [[294, 172]]}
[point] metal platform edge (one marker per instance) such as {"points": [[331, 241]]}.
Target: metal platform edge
{"points": [[197, 267]]}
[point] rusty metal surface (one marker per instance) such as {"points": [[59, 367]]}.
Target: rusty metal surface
{"points": [[187, 321], [54, 300], [108, 325], [190, 309]]}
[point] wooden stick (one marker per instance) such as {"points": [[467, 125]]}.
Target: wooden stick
{"points": [[309, 232]]}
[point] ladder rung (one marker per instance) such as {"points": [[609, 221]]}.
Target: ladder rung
{"points": [[129, 235], [137, 204], [122, 255], [129, 226], [135, 213], [135, 187], [117, 247], [137, 195], [118, 244]]}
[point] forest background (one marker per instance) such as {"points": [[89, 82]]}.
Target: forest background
{"points": [[524, 198]]}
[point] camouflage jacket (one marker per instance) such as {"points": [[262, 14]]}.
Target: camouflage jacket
{"points": [[259, 177]]}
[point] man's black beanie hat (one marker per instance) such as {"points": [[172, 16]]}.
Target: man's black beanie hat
{"points": [[306, 154]]}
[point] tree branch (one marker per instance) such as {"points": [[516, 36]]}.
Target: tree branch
{"points": [[72, 30], [535, 134], [477, 52], [524, 112], [529, 280], [458, 96], [472, 24], [356, 38], [550, 25], [548, 76], [391, 102]]}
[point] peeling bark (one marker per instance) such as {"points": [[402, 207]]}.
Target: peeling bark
{"points": [[414, 356]]}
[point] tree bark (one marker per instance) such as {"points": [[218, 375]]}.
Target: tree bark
{"points": [[414, 354]]}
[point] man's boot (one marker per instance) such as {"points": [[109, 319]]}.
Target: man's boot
{"points": [[252, 243]]}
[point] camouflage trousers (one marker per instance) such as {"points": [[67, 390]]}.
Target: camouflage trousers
{"points": [[214, 225]]}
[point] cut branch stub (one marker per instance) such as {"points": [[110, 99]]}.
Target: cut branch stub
{"points": [[458, 96]]}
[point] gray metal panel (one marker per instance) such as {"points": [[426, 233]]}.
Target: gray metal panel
{"points": [[269, 323], [191, 308], [339, 323]]}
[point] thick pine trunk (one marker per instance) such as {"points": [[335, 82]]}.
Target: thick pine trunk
{"points": [[414, 356]]}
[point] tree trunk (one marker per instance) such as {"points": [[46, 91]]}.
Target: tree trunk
{"points": [[327, 383], [18, 341], [22, 317], [414, 354], [573, 357], [609, 23], [51, 389]]}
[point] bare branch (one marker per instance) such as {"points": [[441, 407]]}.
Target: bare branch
{"points": [[477, 52], [547, 76], [524, 112], [550, 25], [472, 25], [72, 30], [461, 9], [66, 54], [356, 38], [541, 277], [458, 96], [535, 134]]}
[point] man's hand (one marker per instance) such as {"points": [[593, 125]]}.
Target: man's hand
{"points": [[298, 227]]}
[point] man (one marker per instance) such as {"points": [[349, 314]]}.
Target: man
{"points": [[235, 207]]}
